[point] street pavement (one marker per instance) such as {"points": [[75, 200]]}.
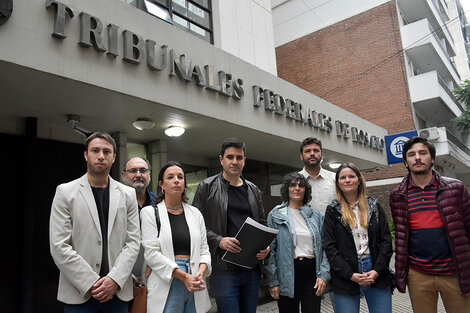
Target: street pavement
{"points": [[400, 304]]}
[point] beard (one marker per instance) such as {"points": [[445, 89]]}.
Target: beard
{"points": [[140, 187], [308, 163], [95, 170], [422, 171]]}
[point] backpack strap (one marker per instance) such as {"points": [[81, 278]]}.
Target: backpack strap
{"points": [[157, 219]]}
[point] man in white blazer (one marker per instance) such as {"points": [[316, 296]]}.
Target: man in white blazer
{"points": [[94, 234]]}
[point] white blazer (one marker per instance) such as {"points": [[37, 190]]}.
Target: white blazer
{"points": [[76, 241], [160, 257]]}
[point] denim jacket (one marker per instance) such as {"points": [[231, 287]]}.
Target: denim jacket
{"points": [[279, 267]]}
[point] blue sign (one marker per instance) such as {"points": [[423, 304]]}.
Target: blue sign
{"points": [[394, 144]]}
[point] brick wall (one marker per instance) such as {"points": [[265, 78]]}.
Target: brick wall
{"points": [[357, 64], [395, 170], [383, 193]]}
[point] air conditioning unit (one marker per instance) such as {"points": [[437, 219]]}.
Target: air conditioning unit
{"points": [[431, 133]]}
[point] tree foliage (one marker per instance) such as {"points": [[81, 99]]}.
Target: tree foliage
{"points": [[462, 93]]}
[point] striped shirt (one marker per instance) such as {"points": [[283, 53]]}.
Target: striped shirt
{"points": [[428, 248]]}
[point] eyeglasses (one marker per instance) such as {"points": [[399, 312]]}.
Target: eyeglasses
{"points": [[134, 171], [298, 184]]}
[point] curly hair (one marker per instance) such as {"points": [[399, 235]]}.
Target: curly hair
{"points": [[295, 178], [308, 141]]}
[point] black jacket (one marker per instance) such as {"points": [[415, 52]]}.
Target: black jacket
{"points": [[340, 249], [211, 199]]}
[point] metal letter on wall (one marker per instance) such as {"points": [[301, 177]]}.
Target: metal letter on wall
{"points": [[133, 47], [150, 53], [225, 81], [90, 32], [268, 100], [197, 74], [113, 40], [290, 109], [178, 66], [257, 96], [279, 105], [238, 92], [211, 86], [59, 20]]}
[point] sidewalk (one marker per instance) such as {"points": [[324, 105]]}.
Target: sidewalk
{"points": [[400, 304]]}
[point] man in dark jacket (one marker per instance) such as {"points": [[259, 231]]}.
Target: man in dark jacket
{"points": [[226, 200], [432, 233]]}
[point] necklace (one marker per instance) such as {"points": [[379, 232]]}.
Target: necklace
{"points": [[176, 208]]}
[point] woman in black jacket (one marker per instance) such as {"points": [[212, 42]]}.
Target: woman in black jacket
{"points": [[358, 245]]}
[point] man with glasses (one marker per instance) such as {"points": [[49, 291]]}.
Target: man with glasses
{"points": [[136, 174]]}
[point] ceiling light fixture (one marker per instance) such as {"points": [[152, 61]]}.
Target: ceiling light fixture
{"points": [[334, 165], [143, 123], [174, 131]]}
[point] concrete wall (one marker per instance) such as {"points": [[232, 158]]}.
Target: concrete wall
{"points": [[296, 18], [125, 88], [244, 28]]}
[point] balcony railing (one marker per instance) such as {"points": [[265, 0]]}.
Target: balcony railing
{"points": [[449, 92], [441, 12], [451, 137], [439, 42]]}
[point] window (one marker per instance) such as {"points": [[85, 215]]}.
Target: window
{"points": [[194, 16]]}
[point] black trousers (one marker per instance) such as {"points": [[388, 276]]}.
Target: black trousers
{"points": [[304, 280]]}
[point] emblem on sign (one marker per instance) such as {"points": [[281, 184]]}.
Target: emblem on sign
{"points": [[6, 7]]}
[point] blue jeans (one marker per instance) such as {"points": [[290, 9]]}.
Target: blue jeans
{"points": [[179, 299], [236, 292], [379, 299], [115, 305]]}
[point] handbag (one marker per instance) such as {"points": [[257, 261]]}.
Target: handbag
{"points": [[139, 303]]}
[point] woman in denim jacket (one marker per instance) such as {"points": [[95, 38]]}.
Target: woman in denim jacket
{"points": [[297, 268]]}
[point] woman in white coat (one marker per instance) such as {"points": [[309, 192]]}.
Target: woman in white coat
{"points": [[176, 250]]}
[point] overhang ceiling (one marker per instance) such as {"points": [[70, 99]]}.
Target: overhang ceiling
{"points": [[28, 92]]}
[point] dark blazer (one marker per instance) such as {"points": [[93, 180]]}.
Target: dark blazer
{"points": [[341, 251]]}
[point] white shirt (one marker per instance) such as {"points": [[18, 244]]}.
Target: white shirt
{"points": [[323, 189], [360, 235], [304, 241]]}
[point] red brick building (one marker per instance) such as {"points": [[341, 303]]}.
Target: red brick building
{"points": [[362, 64]]}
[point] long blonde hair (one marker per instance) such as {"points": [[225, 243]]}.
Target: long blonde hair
{"points": [[348, 214]]}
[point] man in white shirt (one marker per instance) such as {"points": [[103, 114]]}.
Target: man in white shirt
{"points": [[321, 180]]}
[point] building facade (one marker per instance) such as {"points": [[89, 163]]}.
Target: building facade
{"points": [[71, 67], [391, 62]]}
